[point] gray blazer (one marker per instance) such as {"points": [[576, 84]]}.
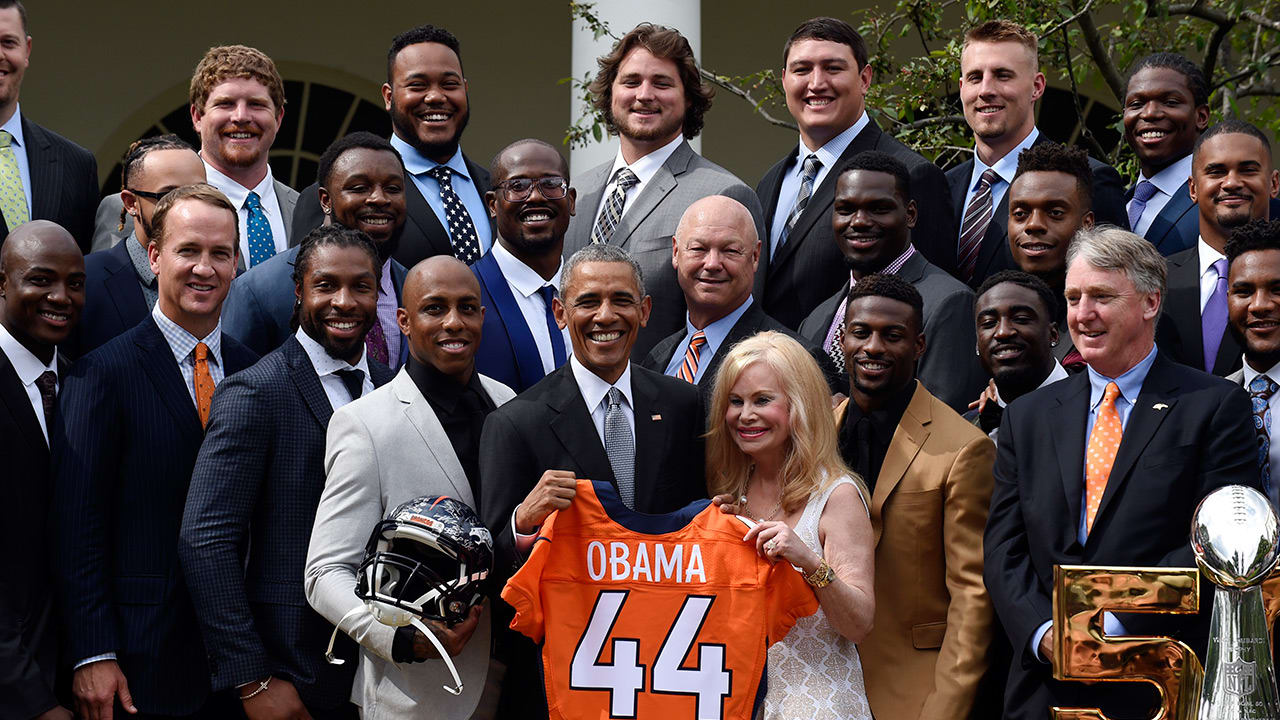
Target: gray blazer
{"points": [[648, 225], [106, 232], [381, 450]]}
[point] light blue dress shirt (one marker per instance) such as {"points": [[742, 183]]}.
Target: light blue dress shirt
{"points": [[14, 126], [715, 333], [789, 190], [1006, 167], [417, 165]]}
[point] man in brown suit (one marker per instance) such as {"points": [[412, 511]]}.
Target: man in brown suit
{"points": [[929, 472]]}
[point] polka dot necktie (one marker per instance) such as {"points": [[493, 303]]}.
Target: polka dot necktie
{"points": [[1103, 443], [462, 232], [203, 382], [689, 366], [612, 215], [1260, 392], [13, 199], [262, 246]]}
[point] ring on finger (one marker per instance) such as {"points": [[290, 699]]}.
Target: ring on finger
{"points": [[771, 546]]}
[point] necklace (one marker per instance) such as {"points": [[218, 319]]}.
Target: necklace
{"points": [[746, 504]]}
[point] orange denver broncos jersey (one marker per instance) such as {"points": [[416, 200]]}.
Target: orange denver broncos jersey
{"points": [[651, 616]]}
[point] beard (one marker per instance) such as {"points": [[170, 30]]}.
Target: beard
{"points": [[1018, 381], [406, 130]]}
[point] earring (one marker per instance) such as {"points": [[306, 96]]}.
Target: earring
{"points": [[1053, 344]]}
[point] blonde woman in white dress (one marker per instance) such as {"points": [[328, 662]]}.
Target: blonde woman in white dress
{"points": [[772, 456]]}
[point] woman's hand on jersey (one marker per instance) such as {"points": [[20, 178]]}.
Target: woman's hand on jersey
{"points": [[775, 540], [727, 503]]}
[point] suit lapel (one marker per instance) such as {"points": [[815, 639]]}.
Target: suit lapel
{"points": [[419, 413], [995, 238], [912, 431], [593, 181], [288, 199], [304, 377], [575, 430], [1072, 402], [1165, 222], [651, 435], [523, 346], [1184, 304], [428, 225], [121, 284], [162, 371], [13, 396], [652, 194], [958, 180], [45, 171]]}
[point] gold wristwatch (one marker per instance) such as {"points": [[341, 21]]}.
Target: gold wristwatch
{"points": [[821, 575]]}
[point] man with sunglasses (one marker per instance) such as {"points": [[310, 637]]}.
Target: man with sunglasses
{"points": [[530, 203]]}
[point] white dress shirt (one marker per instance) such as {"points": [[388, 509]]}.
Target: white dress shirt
{"points": [[1208, 275], [327, 367], [1274, 404], [644, 168], [1006, 167], [238, 194], [19, 145], [789, 189], [1167, 182], [28, 367], [526, 286]]}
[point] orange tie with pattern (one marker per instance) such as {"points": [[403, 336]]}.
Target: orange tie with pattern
{"points": [[203, 383], [689, 367], [1103, 443]]}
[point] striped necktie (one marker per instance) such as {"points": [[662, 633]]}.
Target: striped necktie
{"points": [[612, 215], [976, 220], [688, 370]]}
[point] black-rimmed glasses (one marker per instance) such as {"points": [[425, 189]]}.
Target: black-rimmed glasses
{"points": [[148, 194], [519, 189]]}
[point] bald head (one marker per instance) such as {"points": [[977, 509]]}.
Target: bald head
{"points": [[442, 316], [715, 252], [42, 283]]}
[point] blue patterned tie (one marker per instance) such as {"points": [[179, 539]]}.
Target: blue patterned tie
{"points": [[557, 337], [261, 245], [462, 231], [1260, 392]]}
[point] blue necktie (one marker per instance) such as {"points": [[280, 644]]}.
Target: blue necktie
{"points": [[557, 338], [261, 245], [1260, 392], [1141, 195]]}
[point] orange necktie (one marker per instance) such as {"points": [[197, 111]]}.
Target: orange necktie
{"points": [[689, 366], [203, 383], [1103, 443]]}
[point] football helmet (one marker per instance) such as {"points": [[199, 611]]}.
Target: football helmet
{"points": [[430, 558]]}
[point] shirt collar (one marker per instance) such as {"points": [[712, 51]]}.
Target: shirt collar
{"points": [[238, 193], [1206, 255], [646, 167], [25, 364], [1250, 373], [523, 278], [1172, 177], [14, 126], [829, 154], [593, 388], [183, 343], [1057, 373], [386, 284], [1006, 166], [141, 263], [326, 364], [717, 330], [415, 163], [439, 389], [1130, 382]]}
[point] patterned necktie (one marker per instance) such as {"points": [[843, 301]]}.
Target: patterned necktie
{"points": [[375, 341], [13, 199], [612, 215], [203, 383], [262, 246], [353, 380], [835, 336], [1141, 194], [462, 232], [809, 173], [620, 447], [48, 385], [688, 369], [557, 337], [1213, 320], [1101, 452], [1260, 392], [976, 220]]}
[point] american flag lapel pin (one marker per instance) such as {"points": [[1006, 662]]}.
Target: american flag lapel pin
{"points": [[655, 417]]}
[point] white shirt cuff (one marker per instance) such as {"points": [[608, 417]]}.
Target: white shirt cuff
{"points": [[94, 659], [1036, 637], [523, 542]]}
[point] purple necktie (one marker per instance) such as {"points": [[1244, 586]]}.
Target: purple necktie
{"points": [[1141, 194], [1213, 321], [376, 343]]}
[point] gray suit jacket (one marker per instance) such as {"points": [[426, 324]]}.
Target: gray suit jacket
{"points": [[382, 450], [106, 232], [648, 225]]}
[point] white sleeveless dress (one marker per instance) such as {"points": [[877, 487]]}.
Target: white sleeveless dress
{"points": [[814, 673]]}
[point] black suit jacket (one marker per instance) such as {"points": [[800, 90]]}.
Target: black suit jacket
{"points": [[423, 236], [113, 301], [256, 484], [123, 449], [1188, 434], [1178, 334], [549, 427], [64, 182], [994, 254], [809, 267], [28, 638]]}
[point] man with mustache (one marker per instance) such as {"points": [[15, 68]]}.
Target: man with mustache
{"points": [[362, 187], [1232, 182], [872, 219], [531, 204], [652, 97], [257, 482], [427, 99]]}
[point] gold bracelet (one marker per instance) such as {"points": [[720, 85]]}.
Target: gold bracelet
{"points": [[262, 686], [821, 575]]}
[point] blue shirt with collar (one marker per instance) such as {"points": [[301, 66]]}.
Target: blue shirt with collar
{"points": [[715, 333], [1006, 167], [14, 127], [417, 165], [829, 154]]}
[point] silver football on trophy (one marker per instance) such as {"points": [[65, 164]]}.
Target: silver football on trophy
{"points": [[1235, 536]]}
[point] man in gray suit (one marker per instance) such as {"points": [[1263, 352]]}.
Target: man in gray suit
{"points": [[651, 96], [417, 435]]}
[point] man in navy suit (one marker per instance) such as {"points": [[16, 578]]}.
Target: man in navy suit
{"points": [[41, 293], [120, 288], [362, 186], [124, 444], [257, 482], [531, 203]]}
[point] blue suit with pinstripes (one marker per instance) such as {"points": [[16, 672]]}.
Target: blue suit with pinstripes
{"points": [[256, 484], [124, 443]]}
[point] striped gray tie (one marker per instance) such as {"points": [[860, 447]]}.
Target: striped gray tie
{"points": [[620, 446], [810, 172], [612, 215]]}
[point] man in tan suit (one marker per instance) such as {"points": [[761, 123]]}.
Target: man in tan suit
{"points": [[929, 473]]}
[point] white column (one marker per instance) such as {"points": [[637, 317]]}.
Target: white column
{"points": [[621, 16]]}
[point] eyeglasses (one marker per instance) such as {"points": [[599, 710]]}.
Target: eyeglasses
{"points": [[148, 194], [519, 189]]}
